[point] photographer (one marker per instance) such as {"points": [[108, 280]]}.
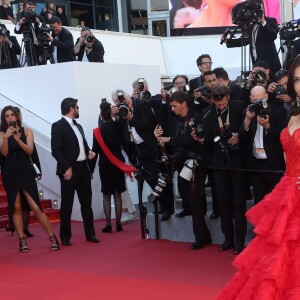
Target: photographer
{"points": [[261, 131], [278, 91], [139, 121], [227, 158], [204, 64], [186, 150], [62, 42], [88, 48], [9, 49], [261, 32], [48, 12], [29, 25]]}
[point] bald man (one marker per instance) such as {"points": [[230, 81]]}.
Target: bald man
{"points": [[260, 131]]}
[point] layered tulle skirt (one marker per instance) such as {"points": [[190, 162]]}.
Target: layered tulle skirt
{"points": [[269, 267]]}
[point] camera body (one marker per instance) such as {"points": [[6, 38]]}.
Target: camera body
{"points": [[246, 13], [43, 37], [199, 131], [4, 32], [280, 90], [260, 107], [89, 38], [205, 91], [123, 107]]}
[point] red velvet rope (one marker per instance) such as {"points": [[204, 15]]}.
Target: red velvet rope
{"points": [[112, 158]]}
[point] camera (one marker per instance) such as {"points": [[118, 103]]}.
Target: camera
{"points": [[205, 91], [29, 16], [259, 76], [123, 107], [280, 90], [290, 30], [13, 124], [260, 107], [218, 141], [4, 32], [146, 95], [89, 38], [199, 131], [246, 13], [160, 185], [141, 84]]}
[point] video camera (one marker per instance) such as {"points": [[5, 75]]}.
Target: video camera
{"points": [[290, 30], [246, 13], [260, 107], [123, 107]]}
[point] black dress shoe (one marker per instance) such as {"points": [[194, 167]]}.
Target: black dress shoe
{"points": [[226, 245], [214, 215], [238, 249], [183, 214], [198, 244], [92, 239], [107, 229], [166, 216], [66, 243], [119, 227]]}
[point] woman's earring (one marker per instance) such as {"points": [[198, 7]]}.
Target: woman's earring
{"points": [[298, 101]]}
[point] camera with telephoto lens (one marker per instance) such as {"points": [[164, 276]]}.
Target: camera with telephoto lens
{"points": [[123, 107], [226, 135], [246, 13], [43, 37], [260, 107], [160, 185], [89, 38], [280, 90], [259, 76], [29, 16]]}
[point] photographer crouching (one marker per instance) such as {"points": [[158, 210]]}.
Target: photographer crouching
{"points": [[191, 179], [88, 48]]}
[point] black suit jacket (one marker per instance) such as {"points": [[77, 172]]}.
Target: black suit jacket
{"points": [[265, 46], [13, 52], [235, 158], [271, 139], [65, 46], [97, 53], [64, 145], [196, 83]]}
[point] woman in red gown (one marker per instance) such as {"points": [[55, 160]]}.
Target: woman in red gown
{"points": [[269, 268]]}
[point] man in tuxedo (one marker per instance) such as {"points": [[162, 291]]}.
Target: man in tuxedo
{"points": [[261, 40], [204, 64], [261, 130], [62, 42], [88, 48], [70, 149]]}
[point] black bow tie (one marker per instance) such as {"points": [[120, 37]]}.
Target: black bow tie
{"points": [[74, 122]]}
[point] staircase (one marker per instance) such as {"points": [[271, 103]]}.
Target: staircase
{"points": [[52, 214]]}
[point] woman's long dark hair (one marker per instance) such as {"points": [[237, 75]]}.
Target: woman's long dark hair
{"points": [[295, 110], [4, 125]]}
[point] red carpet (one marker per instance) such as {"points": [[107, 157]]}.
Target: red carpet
{"points": [[121, 266]]}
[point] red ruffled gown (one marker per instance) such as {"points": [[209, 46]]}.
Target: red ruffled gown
{"points": [[269, 267]]}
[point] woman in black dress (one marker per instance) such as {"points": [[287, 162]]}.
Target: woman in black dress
{"points": [[16, 144], [112, 178]]}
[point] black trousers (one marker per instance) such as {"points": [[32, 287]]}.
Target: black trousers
{"points": [[197, 189], [81, 183], [230, 188]]}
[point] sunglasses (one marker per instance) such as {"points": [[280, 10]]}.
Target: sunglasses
{"points": [[218, 96]]}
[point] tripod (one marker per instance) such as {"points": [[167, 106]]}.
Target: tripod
{"points": [[289, 53], [5, 62], [28, 54]]}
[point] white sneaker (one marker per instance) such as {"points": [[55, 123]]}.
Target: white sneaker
{"points": [[127, 217]]}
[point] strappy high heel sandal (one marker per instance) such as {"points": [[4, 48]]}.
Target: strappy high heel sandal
{"points": [[23, 245], [54, 243]]}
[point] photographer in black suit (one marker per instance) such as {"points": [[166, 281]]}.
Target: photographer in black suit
{"points": [[88, 48], [261, 131], [69, 147], [222, 125], [9, 49], [260, 36], [62, 42], [191, 190]]}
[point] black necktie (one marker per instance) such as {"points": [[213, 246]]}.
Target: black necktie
{"points": [[74, 122], [79, 128]]}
